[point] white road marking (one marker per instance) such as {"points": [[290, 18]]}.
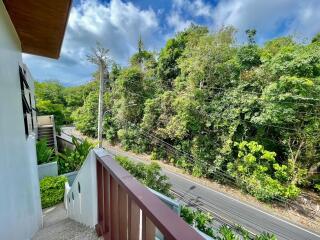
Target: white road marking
{"points": [[282, 220]]}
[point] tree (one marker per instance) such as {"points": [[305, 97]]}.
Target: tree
{"points": [[100, 57], [249, 55], [128, 93], [142, 57], [85, 117], [203, 94], [49, 90], [168, 68], [50, 100]]}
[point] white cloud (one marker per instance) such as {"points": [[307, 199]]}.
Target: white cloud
{"points": [[181, 9], [270, 17], [177, 22], [116, 26], [197, 8]]}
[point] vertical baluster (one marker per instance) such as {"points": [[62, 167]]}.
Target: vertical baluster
{"points": [[148, 228], [106, 203], [123, 213], [114, 205], [133, 219], [99, 227]]}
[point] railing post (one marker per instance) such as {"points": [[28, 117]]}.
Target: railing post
{"points": [[99, 226], [133, 220], [123, 214], [114, 205], [148, 228], [106, 203]]}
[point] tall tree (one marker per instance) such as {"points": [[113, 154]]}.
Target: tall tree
{"points": [[99, 56]]}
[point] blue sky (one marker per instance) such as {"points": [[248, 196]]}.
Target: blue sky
{"points": [[118, 23]]}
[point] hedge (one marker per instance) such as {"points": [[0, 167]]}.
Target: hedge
{"points": [[52, 190]]}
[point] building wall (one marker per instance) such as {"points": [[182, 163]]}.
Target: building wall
{"points": [[20, 206]]}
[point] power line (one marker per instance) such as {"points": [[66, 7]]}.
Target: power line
{"points": [[223, 174], [297, 97]]}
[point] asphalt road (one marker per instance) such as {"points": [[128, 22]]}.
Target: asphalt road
{"points": [[250, 217]]}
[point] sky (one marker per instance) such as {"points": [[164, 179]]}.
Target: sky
{"points": [[117, 24]]}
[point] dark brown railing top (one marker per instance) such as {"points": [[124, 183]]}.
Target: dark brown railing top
{"points": [[168, 222]]}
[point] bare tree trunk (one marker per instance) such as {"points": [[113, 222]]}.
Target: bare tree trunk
{"points": [[100, 107]]}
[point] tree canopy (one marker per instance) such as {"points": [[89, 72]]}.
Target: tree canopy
{"points": [[218, 109]]}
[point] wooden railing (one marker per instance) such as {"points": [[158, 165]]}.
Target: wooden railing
{"points": [[129, 211]]}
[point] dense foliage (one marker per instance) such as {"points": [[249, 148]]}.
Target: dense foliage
{"points": [[204, 222], [54, 99], [149, 175], [45, 154], [52, 190], [72, 160], [244, 113]]}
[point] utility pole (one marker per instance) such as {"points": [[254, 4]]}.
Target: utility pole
{"points": [[100, 107], [99, 57]]}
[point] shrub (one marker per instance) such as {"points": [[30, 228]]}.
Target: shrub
{"points": [[253, 169], [45, 154], [199, 219], [266, 236], [72, 160], [148, 174], [227, 233], [52, 190], [203, 221]]}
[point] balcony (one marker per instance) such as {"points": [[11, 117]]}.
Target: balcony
{"points": [[106, 197]]}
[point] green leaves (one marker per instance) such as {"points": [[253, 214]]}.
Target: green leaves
{"points": [[72, 160], [199, 219], [257, 172], [44, 153], [85, 117], [52, 190], [148, 174]]}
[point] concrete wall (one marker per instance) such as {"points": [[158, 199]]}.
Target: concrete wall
{"points": [[20, 207], [48, 170], [82, 206]]}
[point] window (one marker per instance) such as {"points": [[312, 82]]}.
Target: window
{"points": [[25, 105]]}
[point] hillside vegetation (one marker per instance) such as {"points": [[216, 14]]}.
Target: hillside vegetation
{"points": [[246, 114]]}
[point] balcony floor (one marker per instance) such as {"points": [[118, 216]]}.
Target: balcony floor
{"points": [[56, 226]]}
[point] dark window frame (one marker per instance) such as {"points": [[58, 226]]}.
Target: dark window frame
{"points": [[25, 106]]}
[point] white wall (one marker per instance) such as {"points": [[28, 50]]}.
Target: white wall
{"points": [[83, 206], [20, 207]]}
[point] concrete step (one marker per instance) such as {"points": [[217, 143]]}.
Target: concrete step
{"points": [[56, 226], [45, 128]]}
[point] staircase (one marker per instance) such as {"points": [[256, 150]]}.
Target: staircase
{"points": [[46, 130]]}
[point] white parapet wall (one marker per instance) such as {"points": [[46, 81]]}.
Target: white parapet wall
{"points": [[81, 197], [48, 170]]}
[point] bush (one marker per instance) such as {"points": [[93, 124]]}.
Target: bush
{"points": [[203, 221], [52, 190], [148, 174], [45, 154], [199, 219], [72, 160], [253, 169]]}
